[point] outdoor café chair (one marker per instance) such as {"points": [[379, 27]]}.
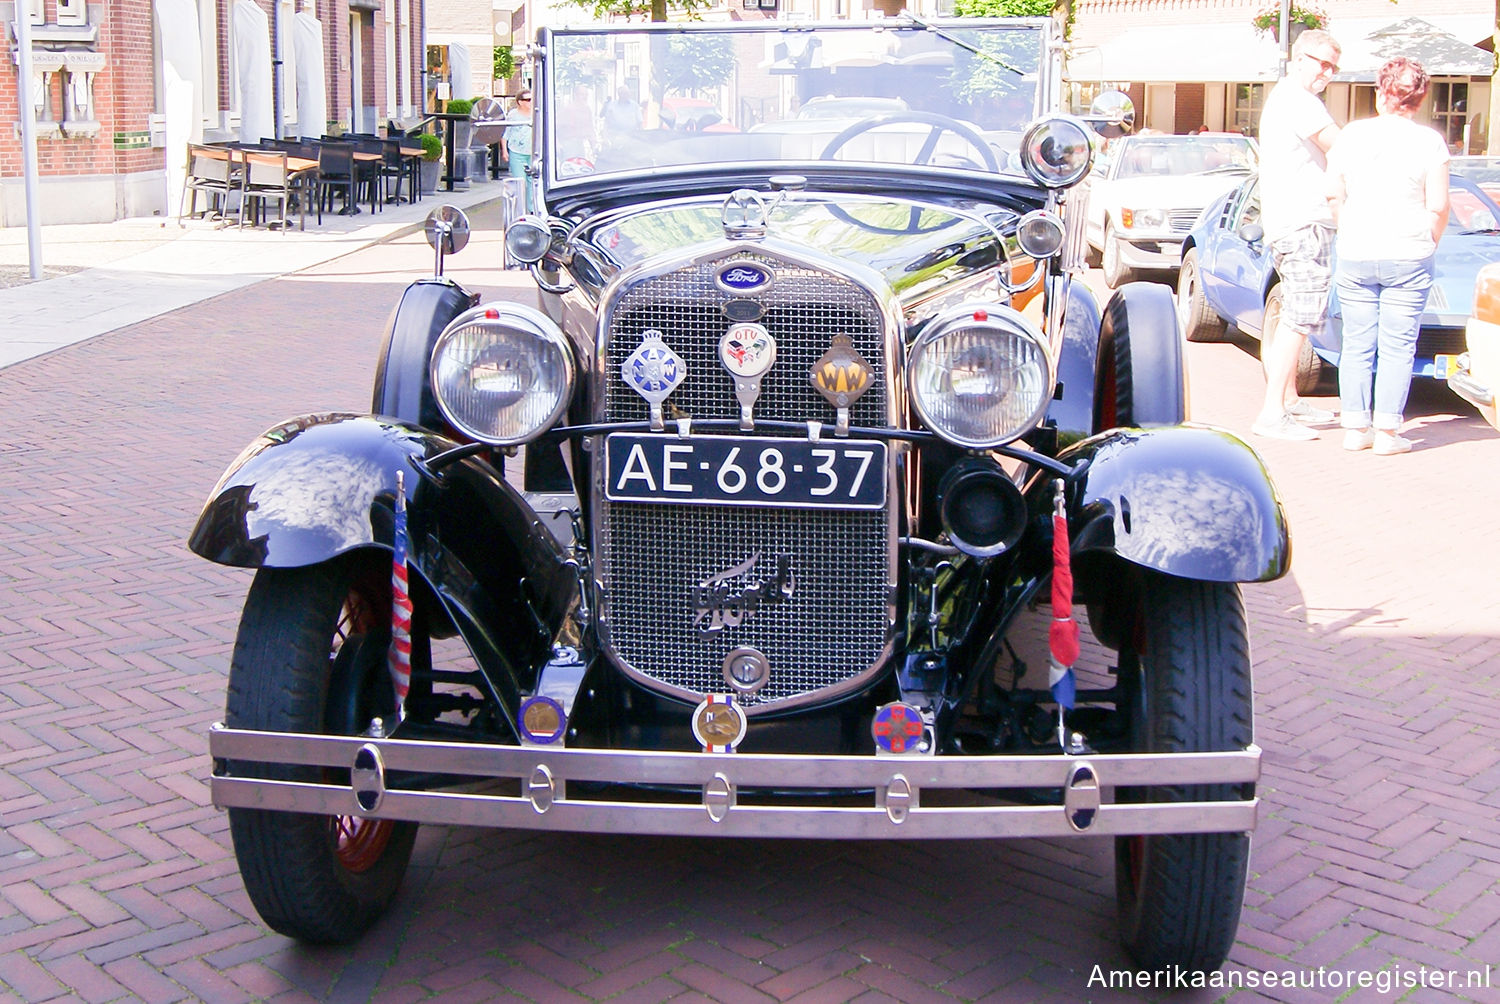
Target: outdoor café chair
{"points": [[268, 178], [336, 171], [209, 172]]}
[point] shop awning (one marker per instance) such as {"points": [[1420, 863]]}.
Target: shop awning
{"points": [[1224, 53], [1237, 53], [1444, 49]]}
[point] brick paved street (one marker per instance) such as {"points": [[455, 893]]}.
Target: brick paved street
{"points": [[1376, 663]]}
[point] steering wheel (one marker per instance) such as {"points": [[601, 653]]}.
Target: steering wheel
{"points": [[939, 124]]}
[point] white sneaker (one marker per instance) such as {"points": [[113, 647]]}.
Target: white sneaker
{"points": [[1304, 412], [1388, 444], [1359, 439], [1282, 427]]}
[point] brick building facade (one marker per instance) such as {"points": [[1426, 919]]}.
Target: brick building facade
{"points": [[100, 128]]}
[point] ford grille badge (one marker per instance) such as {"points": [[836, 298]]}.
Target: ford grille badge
{"points": [[744, 214], [841, 376], [653, 371], [744, 277], [747, 351]]}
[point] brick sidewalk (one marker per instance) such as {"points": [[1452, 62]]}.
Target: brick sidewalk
{"points": [[1376, 685]]}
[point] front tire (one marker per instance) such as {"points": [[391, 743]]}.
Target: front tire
{"points": [[311, 657], [1116, 272], [1187, 671], [1199, 321], [1309, 373]]}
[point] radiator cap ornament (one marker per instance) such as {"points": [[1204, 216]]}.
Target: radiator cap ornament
{"points": [[841, 375], [748, 352], [653, 371], [719, 723]]}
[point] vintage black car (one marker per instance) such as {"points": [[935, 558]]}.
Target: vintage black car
{"points": [[742, 528]]}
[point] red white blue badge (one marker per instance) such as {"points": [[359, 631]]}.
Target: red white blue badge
{"points": [[719, 723], [897, 728], [542, 720], [747, 351]]}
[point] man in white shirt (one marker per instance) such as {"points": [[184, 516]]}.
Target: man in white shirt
{"points": [[1296, 133]]}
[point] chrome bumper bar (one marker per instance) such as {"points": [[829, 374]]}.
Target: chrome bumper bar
{"points": [[1086, 782]]}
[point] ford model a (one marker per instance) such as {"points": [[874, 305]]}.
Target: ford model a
{"points": [[738, 531]]}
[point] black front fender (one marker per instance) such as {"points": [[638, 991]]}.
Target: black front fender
{"points": [[1186, 500]]}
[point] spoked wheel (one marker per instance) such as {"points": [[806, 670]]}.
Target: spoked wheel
{"points": [[1186, 674], [311, 657]]}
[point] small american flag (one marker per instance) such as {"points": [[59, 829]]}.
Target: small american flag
{"points": [[400, 657]]}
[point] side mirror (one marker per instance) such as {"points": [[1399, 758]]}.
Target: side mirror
{"points": [[1112, 114], [1252, 233], [447, 230]]}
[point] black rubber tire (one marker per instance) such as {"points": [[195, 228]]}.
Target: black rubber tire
{"points": [[1141, 379], [1179, 895], [1198, 321], [292, 672], [1116, 274], [1309, 374]]}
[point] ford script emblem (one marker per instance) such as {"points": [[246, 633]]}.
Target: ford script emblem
{"points": [[744, 277]]}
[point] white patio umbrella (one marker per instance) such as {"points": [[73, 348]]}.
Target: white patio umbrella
{"points": [[312, 90], [181, 74], [252, 61], [458, 66]]}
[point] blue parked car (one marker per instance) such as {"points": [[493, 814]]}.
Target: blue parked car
{"points": [[1227, 278]]}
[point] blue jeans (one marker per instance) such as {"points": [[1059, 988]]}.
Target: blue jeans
{"points": [[1383, 303], [518, 164]]}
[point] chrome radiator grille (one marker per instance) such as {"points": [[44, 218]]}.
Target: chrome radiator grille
{"points": [[835, 626]]}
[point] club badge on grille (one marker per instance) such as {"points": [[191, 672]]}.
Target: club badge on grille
{"points": [[719, 723], [653, 371], [748, 352], [897, 728], [841, 375]]}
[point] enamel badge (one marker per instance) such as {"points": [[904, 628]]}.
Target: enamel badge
{"points": [[897, 728], [719, 723], [747, 351], [841, 375], [653, 371]]}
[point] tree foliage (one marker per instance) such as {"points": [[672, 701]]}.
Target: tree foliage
{"points": [[655, 9], [695, 63], [1003, 8], [505, 62]]}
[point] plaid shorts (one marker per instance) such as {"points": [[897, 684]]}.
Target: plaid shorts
{"points": [[1302, 260]]}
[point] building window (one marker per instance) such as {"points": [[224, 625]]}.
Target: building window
{"points": [[1244, 114], [1450, 111]]}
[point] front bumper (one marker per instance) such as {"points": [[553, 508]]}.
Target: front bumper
{"points": [[1086, 784], [1147, 249]]}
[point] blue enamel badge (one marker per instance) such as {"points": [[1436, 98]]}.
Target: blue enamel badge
{"points": [[744, 277], [653, 371]]}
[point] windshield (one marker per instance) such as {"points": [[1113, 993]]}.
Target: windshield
{"points": [[1473, 191], [1154, 156], [959, 95]]}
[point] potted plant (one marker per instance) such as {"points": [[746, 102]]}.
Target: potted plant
{"points": [[432, 152], [1268, 21]]}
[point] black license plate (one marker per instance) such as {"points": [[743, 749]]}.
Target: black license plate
{"points": [[745, 470]]}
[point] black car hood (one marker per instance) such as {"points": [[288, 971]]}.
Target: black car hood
{"points": [[917, 245]]}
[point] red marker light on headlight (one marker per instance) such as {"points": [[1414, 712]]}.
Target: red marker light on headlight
{"points": [[981, 315], [492, 314]]}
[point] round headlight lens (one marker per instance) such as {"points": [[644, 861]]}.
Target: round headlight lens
{"points": [[528, 239], [1057, 151], [980, 378], [1040, 233], [502, 374]]}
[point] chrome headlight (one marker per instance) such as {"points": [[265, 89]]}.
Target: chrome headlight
{"points": [[528, 239], [502, 373], [1040, 233], [980, 376], [1057, 151]]}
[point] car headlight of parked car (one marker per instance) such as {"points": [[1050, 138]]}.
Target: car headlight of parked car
{"points": [[502, 373], [980, 376], [1145, 219]]}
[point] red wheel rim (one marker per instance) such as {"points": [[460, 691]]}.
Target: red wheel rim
{"points": [[358, 843]]}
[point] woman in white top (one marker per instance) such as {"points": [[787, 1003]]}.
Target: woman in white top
{"points": [[1388, 180]]}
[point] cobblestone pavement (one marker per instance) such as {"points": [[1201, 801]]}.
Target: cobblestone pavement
{"points": [[1376, 661]]}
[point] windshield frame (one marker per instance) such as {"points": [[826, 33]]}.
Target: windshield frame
{"points": [[1047, 96]]}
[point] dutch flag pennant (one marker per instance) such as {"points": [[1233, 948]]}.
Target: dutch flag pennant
{"points": [[400, 655], [1063, 633]]}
